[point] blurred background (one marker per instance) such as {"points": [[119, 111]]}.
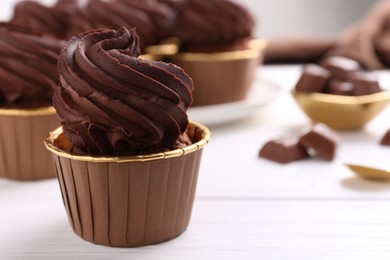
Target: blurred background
{"points": [[315, 17], [284, 17]]}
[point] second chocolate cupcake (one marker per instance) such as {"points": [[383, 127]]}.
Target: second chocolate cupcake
{"points": [[217, 49], [28, 74]]}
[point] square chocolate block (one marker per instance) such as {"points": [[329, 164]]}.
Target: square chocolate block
{"points": [[313, 79], [341, 68], [322, 140], [283, 150], [365, 83]]}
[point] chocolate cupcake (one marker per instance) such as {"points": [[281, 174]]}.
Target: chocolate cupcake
{"points": [[28, 75], [216, 49], [127, 157]]}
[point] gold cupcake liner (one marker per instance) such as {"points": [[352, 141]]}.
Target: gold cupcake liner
{"points": [[130, 201], [255, 46], [22, 154], [41, 111], [221, 77]]}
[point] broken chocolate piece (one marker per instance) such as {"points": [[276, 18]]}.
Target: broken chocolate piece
{"points": [[322, 140], [386, 138], [365, 83], [313, 79], [283, 150], [341, 68]]}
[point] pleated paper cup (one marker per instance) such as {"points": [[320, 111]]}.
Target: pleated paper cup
{"points": [[22, 153], [129, 201], [221, 77]]}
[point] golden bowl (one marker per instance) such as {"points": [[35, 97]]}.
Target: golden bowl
{"points": [[342, 112]]}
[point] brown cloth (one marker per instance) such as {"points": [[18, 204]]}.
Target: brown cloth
{"points": [[366, 41]]}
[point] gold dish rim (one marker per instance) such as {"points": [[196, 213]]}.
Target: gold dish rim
{"points": [[254, 51], [41, 111], [344, 100], [49, 143]]}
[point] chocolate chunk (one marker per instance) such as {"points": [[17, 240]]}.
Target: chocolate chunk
{"points": [[322, 140], [283, 150], [386, 138], [313, 79], [365, 83], [340, 88], [341, 68]]}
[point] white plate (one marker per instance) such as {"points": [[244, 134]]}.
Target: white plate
{"points": [[263, 92]]}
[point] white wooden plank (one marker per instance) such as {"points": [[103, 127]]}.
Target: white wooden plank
{"points": [[220, 229]]}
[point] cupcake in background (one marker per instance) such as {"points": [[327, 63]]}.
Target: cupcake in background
{"points": [[127, 157], [151, 19], [28, 75], [216, 49], [52, 21]]}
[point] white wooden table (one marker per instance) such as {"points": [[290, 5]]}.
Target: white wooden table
{"points": [[245, 207]]}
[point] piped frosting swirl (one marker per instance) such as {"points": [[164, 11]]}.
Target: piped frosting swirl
{"points": [[112, 103]]}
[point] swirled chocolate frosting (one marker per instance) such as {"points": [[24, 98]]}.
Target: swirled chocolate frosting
{"points": [[205, 23], [28, 67], [150, 21], [111, 102], [52, 21]]}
